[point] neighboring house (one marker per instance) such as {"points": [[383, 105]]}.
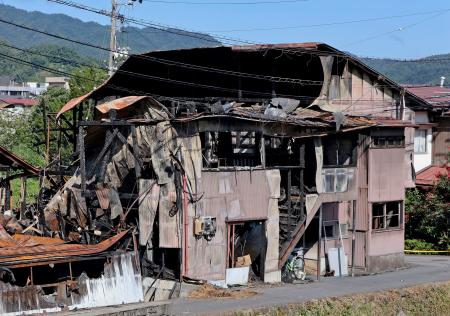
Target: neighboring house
{"points": [[432, 136], [17, 105], [10, 87], [59, 82]]}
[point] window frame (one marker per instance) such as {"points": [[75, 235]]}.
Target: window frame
{"points": [[425, 130], [385, 216]]}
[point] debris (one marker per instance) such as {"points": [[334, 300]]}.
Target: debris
{"points": [[210, 291]]}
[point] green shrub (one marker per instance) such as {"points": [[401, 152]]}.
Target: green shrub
{"points": [[417, 244]]}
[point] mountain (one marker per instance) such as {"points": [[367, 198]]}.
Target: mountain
{"points": [[147, 39], [139, 40], [24, 72], [422, 71]]}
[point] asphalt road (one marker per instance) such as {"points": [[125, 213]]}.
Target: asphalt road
{"points": [[422, 269]]}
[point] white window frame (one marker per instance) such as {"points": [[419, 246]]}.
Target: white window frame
{"points": [[420, 148], [339, 179]]}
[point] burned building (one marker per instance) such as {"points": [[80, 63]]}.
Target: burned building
{"points": [[208, 155]]}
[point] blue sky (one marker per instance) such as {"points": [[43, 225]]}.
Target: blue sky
{"points": [[425, 31]]}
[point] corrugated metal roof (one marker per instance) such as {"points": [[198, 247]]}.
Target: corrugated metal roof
{"points": [[436, 96], [9, 159], [430, 175], [29, 250], [19, 101], [119, 104]]}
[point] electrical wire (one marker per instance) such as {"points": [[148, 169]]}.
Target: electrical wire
{"points": [[170, 62], [226, 3], [375, 19], [400, 29]]}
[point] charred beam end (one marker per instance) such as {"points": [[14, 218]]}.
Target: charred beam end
{"points": [[137, 162], [118, 123], [82, 159]]}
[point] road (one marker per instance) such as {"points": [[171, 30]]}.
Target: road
{"points": [[422, 269]]}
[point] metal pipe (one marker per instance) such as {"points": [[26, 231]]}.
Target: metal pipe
{"points": [[319, 244], [353, 237], [186, 224]]}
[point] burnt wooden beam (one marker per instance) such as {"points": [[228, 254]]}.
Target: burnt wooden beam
{"points": [[137, 162], [82, 159], [108, 141], [125, 142]]}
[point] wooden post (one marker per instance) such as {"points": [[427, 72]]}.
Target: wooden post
{"points": [[262, 150], [47, 141], [23, 196], [82, 160], [137, 166]]}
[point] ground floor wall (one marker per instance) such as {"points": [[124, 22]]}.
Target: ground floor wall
{"points": [[245, 196]]}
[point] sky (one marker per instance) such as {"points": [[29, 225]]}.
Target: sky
{"points": [[398, 29]]}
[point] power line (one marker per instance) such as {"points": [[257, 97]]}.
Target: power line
{"points": [[397, 29], [227, 3], [172, 63], [181, 32], [330, 23]]}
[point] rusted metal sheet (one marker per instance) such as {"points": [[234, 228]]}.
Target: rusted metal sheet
{"points": [[73, 103], [119, 104], [47, 249], [7, 158]]}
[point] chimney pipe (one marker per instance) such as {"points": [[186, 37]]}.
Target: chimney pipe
{"points": [[442, 81]]}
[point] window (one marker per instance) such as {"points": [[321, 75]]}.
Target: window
{"points": [[388, 141], [331, 229], [336, 179], [386, 215], [420, 141], [339, 151], [230, 149]]}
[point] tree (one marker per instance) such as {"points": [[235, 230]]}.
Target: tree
{"points": [[86, 79], [428, 214]]}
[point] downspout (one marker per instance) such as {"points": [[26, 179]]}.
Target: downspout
{"points": [[353, 237], [186, 224]]}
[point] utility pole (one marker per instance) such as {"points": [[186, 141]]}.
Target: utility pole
{"points": [[112, 39]]}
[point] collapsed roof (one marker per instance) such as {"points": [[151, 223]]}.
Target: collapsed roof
{"points": [[237, 73]]}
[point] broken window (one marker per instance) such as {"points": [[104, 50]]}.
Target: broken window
{"points": [[339, 151], [332, 229], [386, 215], [230, 149]]}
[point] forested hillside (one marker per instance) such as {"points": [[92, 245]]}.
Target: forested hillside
{"points": [[24, 72], [139, 40], [147, 39], [422, 71]]}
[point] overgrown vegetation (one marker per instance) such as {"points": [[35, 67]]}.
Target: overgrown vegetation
{"points": [[419, 300], [428, 217]]}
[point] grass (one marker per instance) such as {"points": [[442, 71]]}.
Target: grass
{"points": [[430, 299]]}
